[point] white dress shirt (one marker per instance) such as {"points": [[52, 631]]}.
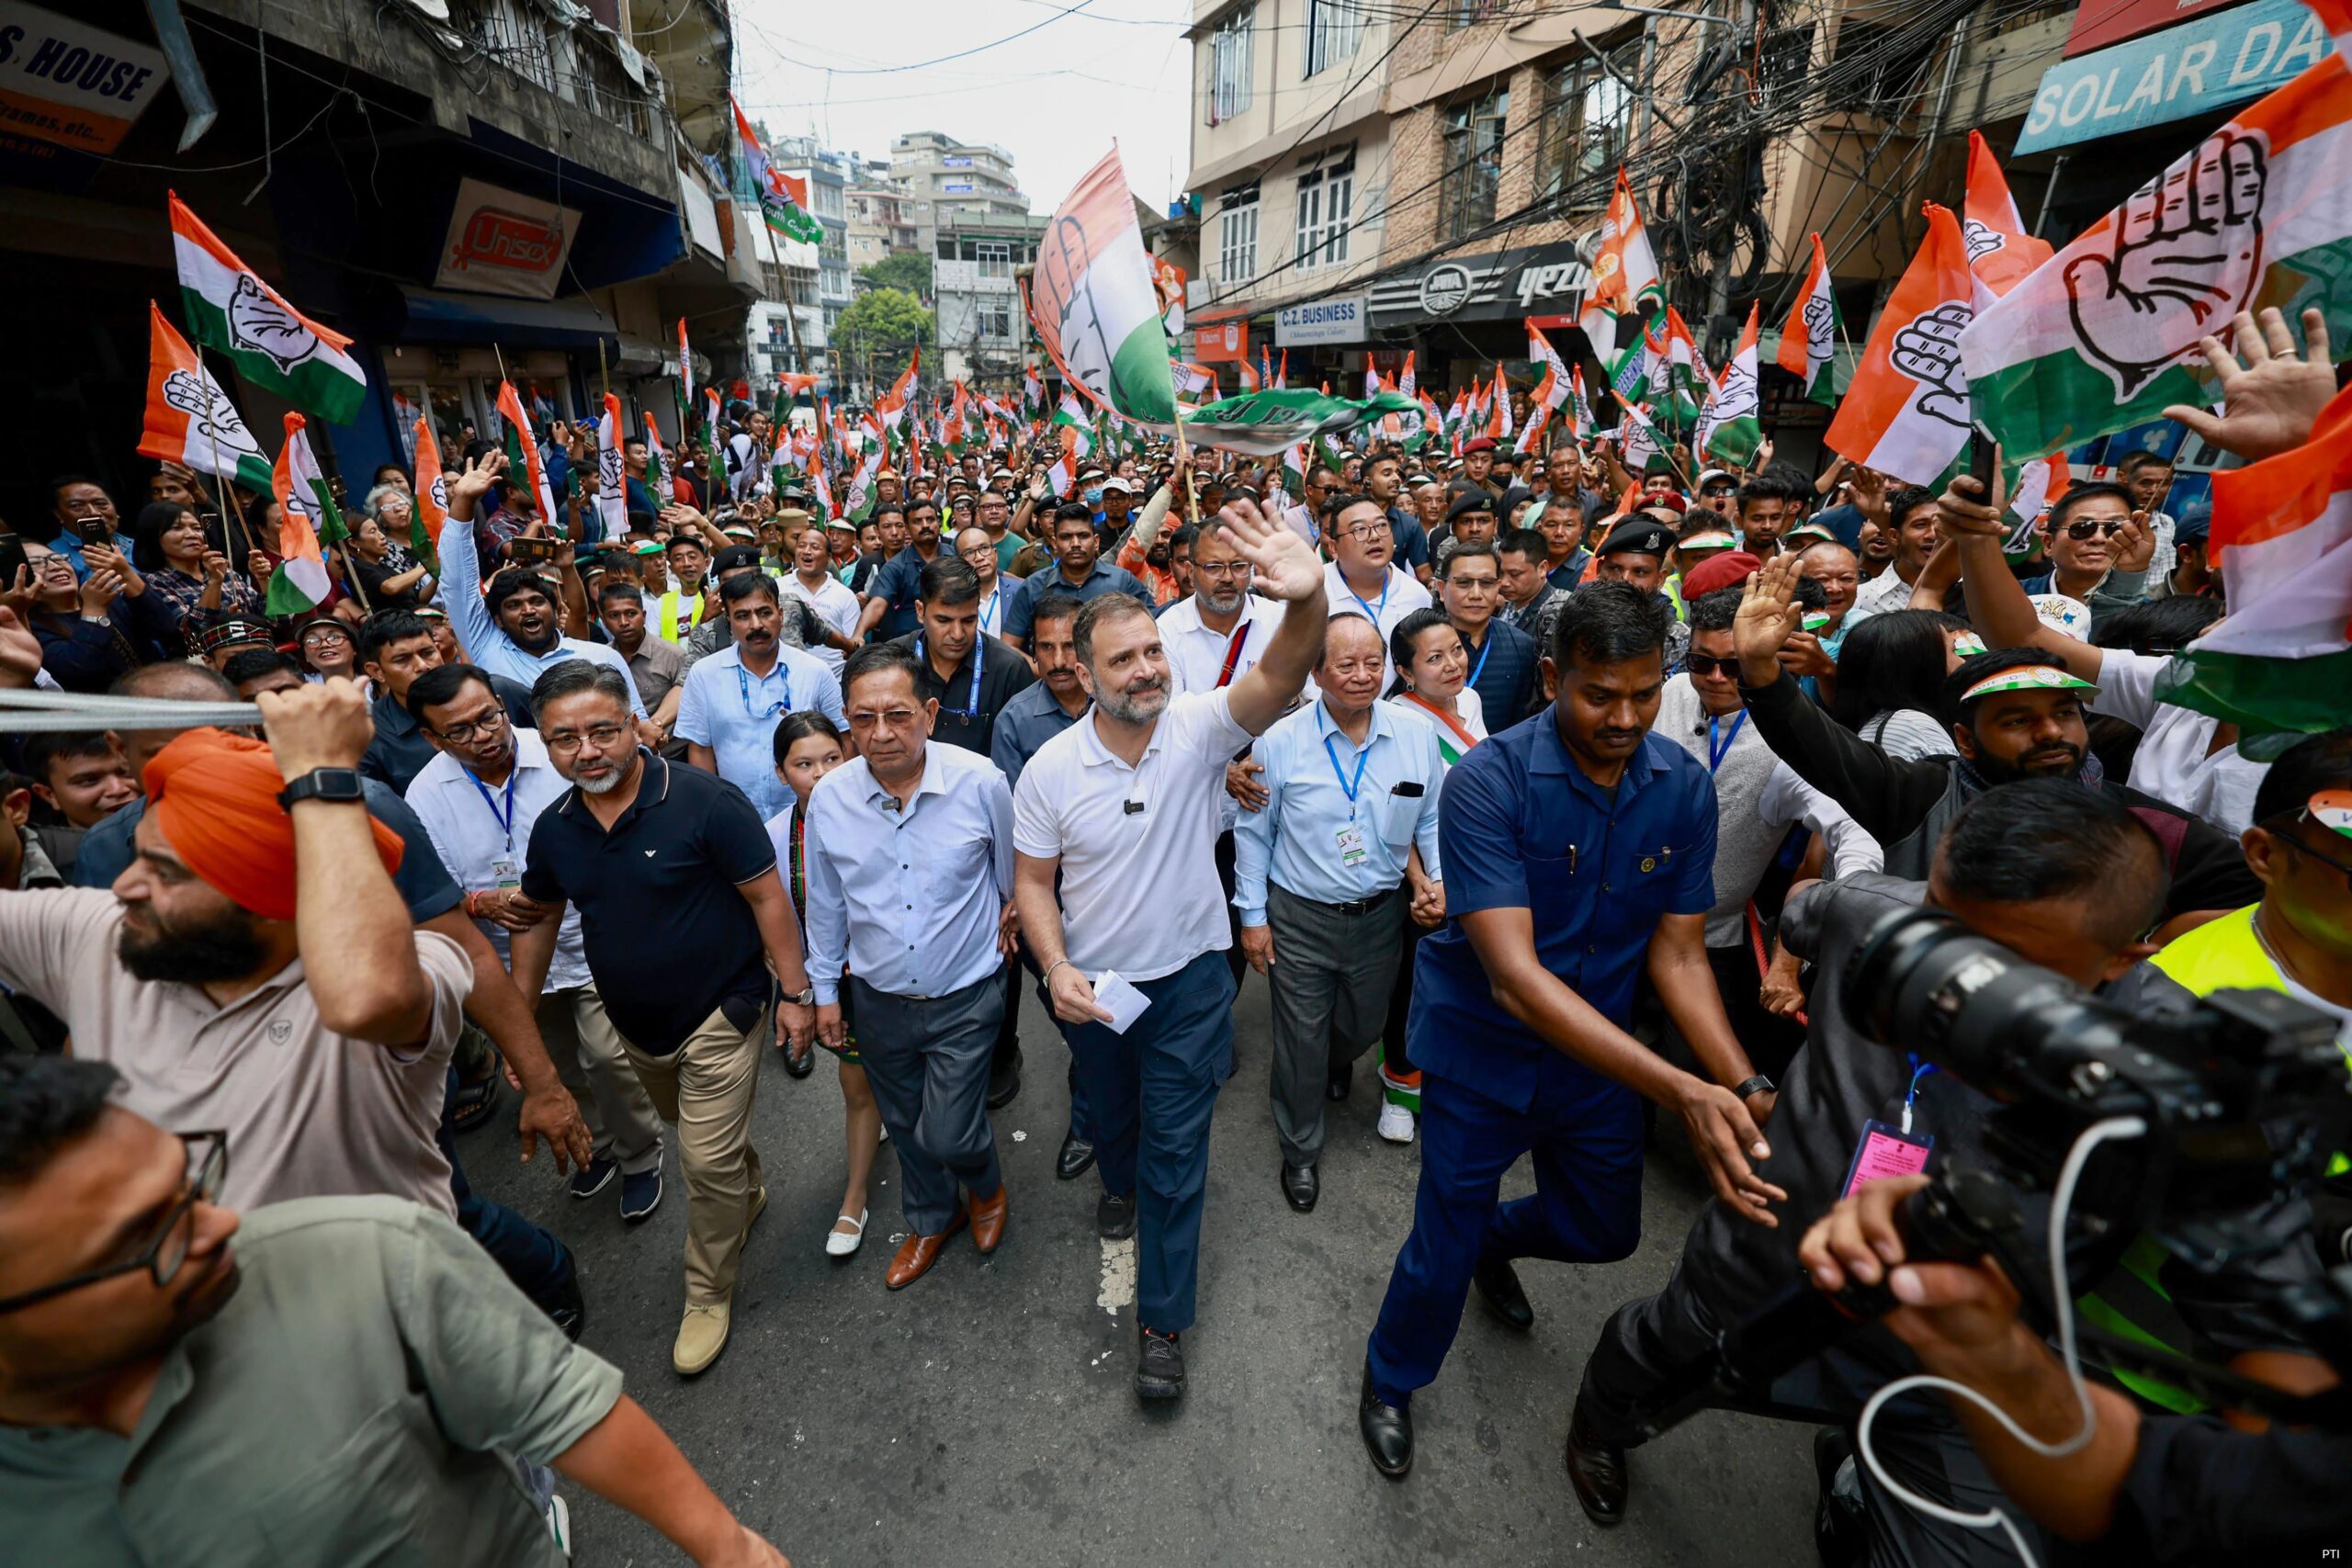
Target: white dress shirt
{"points": [[907, 900], [993, 603], [1880, 594], [471, 827], [835, 605], [1196, 652], [1400, 597], [1137, 845]]}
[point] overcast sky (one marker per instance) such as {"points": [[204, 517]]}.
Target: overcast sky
{"points": [[858, 75]]}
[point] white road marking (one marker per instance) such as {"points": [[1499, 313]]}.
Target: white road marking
{"points": [[1118, 1275]]}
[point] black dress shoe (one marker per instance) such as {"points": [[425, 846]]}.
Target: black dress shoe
{"points": [[1596, 1470], [1160, 1367], [1004, 1080], [1339, 1080], [1114, 1216], [1387, 1431], [1498, 1284], [1301, 1186], [1076, 1158]]}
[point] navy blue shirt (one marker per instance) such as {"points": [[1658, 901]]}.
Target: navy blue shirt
{"points": [[670, 937], [1507, 673], [1412, 539], [1106, 579], [897, 584], [1520, 825], [1032, 717]]}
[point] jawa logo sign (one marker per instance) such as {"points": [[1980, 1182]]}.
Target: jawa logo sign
{"points": [[501, 243]]}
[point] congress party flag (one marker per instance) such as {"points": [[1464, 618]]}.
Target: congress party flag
{"points": [[1809, 341], [1093, 303], [1625, 272], [1273, 420], [432, 509], [190, 420], [2104, 334], [660, 469], [783, 208], [612, 474], [274, 346], [524, 468], [1907, 413], [2282, 532], [307, 519], [1735, 433], [2000, 253]]}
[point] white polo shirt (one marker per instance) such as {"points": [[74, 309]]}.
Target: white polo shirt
{"points": [[1137, 845], [1401, 596]]}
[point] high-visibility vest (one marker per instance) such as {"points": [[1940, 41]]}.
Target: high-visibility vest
{"points": [[678, 613]]}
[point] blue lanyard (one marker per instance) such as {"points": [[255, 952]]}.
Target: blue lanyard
{"points": [[972, 697], [1919, 1069], [506, 822], [1386, 585], [744, 684], [1717, 749], [995, 600], [1351, 786], [1480, 668]]}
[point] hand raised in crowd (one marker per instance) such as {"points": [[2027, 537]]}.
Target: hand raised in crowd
{"points": [[324, 723], [20, 651], [215, 567], [22, 597], [1866, 487], [258, 567], [472, 482], [107, 557], [1242, 784], [2270, 402], [1769, 616], [98, 592], [2136, 544], [1282, 565], [1258, 947], [1964, 508]]}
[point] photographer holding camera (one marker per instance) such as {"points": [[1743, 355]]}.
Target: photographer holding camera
{"points": [[2046, 867]]}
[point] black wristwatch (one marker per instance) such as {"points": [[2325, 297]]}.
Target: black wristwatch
{"points": [[1753, 1086], [339, 784]]}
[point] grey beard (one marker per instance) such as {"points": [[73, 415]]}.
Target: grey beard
{"points": [[1136, 706]]}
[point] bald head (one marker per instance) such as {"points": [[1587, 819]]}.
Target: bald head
{"points": [[175, 681]]}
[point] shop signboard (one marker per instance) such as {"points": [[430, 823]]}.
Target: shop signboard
{"points": [[1498, 286], [2203, 66], [502, 242], [1340, 321]]}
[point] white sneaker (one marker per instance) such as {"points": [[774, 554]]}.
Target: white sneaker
{"points": [[1396, 1123], [841, 1242]]}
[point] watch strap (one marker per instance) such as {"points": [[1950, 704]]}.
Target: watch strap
{"points": [[339, 784], [1749, 1087]]}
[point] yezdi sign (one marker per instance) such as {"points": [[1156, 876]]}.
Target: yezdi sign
{"points": [[501, 243]]}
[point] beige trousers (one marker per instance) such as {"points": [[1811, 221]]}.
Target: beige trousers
{"points": [[704, 1089]]}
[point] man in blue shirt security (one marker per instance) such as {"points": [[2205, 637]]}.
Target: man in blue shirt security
{"points": [[1579, 854], [1320, 878]]}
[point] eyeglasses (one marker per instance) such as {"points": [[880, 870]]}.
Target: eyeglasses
{"points": [[481, 729], [166, 1247], [889, 718], [324, 634], [1363, 530], [1701, 665], [604, 737], [2110, 526], [1222, 568], [2301, 815]]}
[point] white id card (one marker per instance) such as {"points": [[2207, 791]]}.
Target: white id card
{"points": [[1351, 846], [505, 872]]}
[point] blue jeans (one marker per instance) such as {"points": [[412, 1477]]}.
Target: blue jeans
{"points": [[1585, 1132], [539, 1264], [1150, 1092]]}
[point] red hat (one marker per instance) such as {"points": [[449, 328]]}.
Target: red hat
{"points": [[1479, 444], [1717, 572]]}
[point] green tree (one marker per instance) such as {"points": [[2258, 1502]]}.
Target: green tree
{"points": [[909, 270], [881, 328]]}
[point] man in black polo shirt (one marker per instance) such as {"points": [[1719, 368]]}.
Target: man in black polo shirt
{"points": [[679, 901], [395, 647]]}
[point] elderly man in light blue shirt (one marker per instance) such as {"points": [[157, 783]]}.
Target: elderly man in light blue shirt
{"points": [[1321, 876], [910, 889], [515, 629], [736, 697], [478, 798]]}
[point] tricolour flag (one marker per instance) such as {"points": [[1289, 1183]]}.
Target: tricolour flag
{"points": [[1407, 381], [2104, 334], [1093, 304], [190, 420], [1498, 422], [2000, 253], [714, 465], [274, 346], [1907, 413], [432, 509], [307, 519], [660, 469], [1625, 272], [1734, 433], [1267, 422], [524, 467], [783, 208], [612, 474], [1809, 341], [2282, 532]]}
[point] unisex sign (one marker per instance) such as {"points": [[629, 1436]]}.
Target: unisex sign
{"points": [[2202, 66], [69, 84], [1501, 285]]}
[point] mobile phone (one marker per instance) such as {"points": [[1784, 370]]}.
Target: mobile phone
{"points": [[1983, 457], [12, 560], [96, 531], [530, 549]]}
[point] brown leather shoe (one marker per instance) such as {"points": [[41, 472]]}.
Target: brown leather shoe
{"points": [[918, 1253], [987, 1221]]}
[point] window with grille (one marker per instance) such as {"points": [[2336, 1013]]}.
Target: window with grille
{"points": [[1334, 28], [996, 323], [1588, 120], [1325, 203], [1474, 165], [995, 258], [1237, 256], [1231, 59]]}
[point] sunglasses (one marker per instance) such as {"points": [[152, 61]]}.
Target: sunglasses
{"points": [[1702, 665], [2088, 527]]}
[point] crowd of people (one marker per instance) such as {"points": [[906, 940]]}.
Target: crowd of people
{"points": [[1527, 783]]}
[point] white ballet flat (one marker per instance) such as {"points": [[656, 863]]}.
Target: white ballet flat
{"points": [[842, 1244]]}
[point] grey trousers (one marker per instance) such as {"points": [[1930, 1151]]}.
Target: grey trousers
{"points": [[928, 1063], [1330, 981]]}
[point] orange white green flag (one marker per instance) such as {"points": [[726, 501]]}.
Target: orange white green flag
{"points": [[307, 519], [274, 346], [612, 472], [2104, 335], [1093, 302], [2000, 253], [1625, 270], [1906, 413], [526, 471], [190, 420], [1733, 432], [1809, 341], [432, 508], [2282, 532]]}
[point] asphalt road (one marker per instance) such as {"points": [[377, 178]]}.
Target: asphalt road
{"points": [[986, 1416]]}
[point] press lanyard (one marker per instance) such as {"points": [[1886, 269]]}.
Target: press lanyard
{"points": [[994, 603], [506, 822], [1718, 748], [1351, 786], [1919, 1069], [1387, 584], [980, 652], [1233, 648], [1480, 668], [744, 684]]}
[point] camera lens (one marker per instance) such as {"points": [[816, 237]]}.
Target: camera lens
{"points": [[1923, 982]]}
